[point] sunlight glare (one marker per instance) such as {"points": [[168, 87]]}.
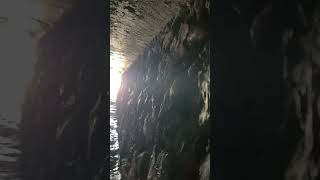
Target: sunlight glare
{"points": [[116, 69]]}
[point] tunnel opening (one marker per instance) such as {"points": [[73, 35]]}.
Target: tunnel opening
{"points": [[162, 106], [117, 66], [63, 94]]}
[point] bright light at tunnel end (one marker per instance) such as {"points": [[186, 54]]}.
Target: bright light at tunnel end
{"points": [[116, 69]]}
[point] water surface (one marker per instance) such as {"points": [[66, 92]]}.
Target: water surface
{"points": [[9, 149], [114, 144]]}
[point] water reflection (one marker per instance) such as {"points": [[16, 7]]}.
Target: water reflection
{"points": [[117, 66], [9, 149], [114, 145]]}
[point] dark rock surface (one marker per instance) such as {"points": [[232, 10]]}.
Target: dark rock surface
{"points": [[163, 103], [63, 124], [266, 90]]}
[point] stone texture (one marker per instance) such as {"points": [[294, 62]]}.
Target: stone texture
{"points": [[63, 124], [135, 23], [163, 103], [266, 76]]}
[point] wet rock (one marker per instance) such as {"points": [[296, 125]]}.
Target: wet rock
{"points": [[205, 169], [163, 102]]}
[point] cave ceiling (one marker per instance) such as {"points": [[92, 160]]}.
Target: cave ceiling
{"points": [[134, 23]]}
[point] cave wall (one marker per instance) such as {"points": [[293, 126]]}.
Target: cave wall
{"points": [[63, 124], [163, 102], [266, 105]]}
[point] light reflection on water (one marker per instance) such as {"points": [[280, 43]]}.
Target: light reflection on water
{"points": [[117, 66], [114, 145], [9, 149]]}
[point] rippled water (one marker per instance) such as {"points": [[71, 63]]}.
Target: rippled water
{"points": [[114, 144], [9, 149]]}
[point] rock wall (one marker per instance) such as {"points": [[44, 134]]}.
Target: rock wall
{"points": [[163, 103], [63, 119], [134, 23], [303, 77], [266, 93]]}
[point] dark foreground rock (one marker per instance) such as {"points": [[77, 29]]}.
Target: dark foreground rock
{"points": [[163, 103], [266, 78], [63, 121]]}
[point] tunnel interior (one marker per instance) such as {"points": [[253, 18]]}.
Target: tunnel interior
{"points": [[263, 65], [160, 128]]}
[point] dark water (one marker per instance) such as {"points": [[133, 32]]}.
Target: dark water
{"points": [[9, 149], [114, 145]]}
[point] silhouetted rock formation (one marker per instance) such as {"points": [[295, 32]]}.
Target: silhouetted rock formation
{"points": [[63, 123], [163, 103], [266, 93]]}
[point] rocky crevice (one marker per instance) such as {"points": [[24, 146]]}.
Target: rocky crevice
{"points": [[163, 103]]}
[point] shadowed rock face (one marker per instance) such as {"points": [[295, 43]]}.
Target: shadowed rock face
{"points": [[163, 103], [303, 75], [266, 78], [63, 120]]}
